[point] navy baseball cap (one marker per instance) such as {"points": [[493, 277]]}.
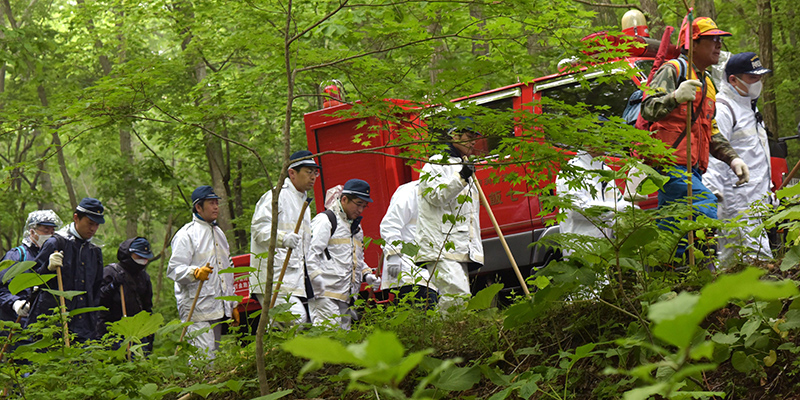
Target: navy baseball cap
{"points": [[745, 63], [93, 209], [303, 163], [358, 188], [202, 193], [141, 247]]}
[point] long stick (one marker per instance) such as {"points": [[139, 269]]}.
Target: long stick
{"points": [[191, 311], [499, 233], [63, 306], [288, 254], [790, 176], [690, 245], [124, 314]]}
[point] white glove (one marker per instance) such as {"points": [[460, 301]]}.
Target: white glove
{"points": [[373, 281], [56, 260], [687, 91], [393, 266], [21, 307], [740, 169], [291, 240], [318, 284]]}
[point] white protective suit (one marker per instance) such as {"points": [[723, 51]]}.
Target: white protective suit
{"points": [[749, 139], [606, 194], [196, 244], [342, 272], [439, 188], [399, 224], [290, 203]]}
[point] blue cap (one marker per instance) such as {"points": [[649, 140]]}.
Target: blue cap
{"points": [[745, 63], [141, 247], [304, 163], [358, 188], [93, 209], [202, 193]]}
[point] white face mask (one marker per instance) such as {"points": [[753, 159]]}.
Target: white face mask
{"points": [[753, 89], [39, 239], [140, 261]]}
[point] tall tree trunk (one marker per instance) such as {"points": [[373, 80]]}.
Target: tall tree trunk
{"points": [[164, 258], [705, 8], [655, 22], [765, 52], [128, 186], [238, 207]]}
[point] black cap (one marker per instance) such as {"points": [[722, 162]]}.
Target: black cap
{"points": [[358, 188], [304, 163], [141, 247], [202, 193], [93, 209], [745, 63]]}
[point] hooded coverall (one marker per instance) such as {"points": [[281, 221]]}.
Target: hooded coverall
{"points": [[290, 203], [399, 226], [197, 243], [439, 190], [749, 139]]}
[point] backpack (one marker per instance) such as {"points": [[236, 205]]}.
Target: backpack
{"points": [[355, 228]]}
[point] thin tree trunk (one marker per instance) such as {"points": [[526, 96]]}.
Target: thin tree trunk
{"points": [[164, 259], [765, 52], [128, 185], [241, 236], [705, 8]]}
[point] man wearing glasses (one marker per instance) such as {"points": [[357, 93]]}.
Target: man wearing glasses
{"points": [[303, 173], [677, 87], [335, 258]]}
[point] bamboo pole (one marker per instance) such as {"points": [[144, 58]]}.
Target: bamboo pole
{"points": [[63, 306]]}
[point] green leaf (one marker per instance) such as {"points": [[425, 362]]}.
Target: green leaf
{"points": [[201, 389], [237, 299], [276, 395], [24, 281], [16, 269], [702, 350], [84, 310], [138, 326], [645, 393], [67, 294], [458, 379], [791, 259], [380, 347], [235, 270], [320, 349], [742, 362], [485, 297], [234, 385], [678, 319]]}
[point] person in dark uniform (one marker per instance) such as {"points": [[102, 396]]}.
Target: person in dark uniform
{"points": [[131, 276]]}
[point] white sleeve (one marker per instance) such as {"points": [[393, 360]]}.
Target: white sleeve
{"points": [[320, 235], [179, 268], [261, 223], [438, 186]]}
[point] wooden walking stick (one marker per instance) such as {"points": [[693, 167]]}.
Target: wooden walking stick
{"points": [[124, 314], [288, 254], [63, 306], [689, 105], [191, 310], [499, 232]]}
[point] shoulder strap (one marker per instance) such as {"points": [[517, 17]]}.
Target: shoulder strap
{"points": [[23, 254], [332, 218], [725, 102], [682, 76]]}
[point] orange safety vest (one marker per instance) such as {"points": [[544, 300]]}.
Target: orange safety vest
{"points": [[672, 129]]}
